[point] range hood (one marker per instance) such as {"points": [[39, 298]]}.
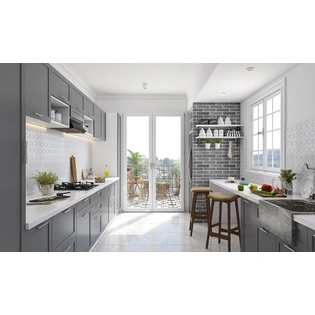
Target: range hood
{"points": [[76, 123]]}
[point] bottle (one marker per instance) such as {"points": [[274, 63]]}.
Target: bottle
{"points": [[106, 174]]}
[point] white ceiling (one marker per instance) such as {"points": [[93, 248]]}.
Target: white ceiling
{"points": [[178, 79]]}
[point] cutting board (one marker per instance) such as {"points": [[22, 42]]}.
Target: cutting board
{"points": [[73, 169], [267, 196]]}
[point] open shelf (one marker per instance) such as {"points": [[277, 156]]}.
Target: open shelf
{"points": [[61, 108], [219, 137], [218, 126]]}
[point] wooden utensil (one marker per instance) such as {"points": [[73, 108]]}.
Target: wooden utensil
{"points": [[84, 174], [73, 169]]}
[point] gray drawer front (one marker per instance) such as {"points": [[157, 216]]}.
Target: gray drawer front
{"points": [[301, 237], [83, 204], [96, 197], [83, 232], [69, 247], [97, 207], [63, 226]]}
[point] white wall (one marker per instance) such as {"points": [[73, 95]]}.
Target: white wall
{"points": [[299, 99], [137, 104]]}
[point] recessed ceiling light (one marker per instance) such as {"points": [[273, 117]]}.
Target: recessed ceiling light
{"points": [[250, 68], [223, 93]]}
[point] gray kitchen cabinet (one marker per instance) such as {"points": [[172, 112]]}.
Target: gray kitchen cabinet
{"points": [[105, 209], [83, 204], [266, 241], [283, 247], [60, 86], [63, 227], [38, 239], [103, 126], [70, 246], [112, 201], [77, 99], [249, 215], [310, 240], [83, 231], [88, 108], [95, 226], [97, 123], [301, 237], [12, 136], [36, 90]]}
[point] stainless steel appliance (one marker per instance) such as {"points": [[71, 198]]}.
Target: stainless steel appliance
{"points": [[75, 186]]}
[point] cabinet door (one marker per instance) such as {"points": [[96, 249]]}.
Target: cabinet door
{"points": [[63, 226], [60, 87], [36, 91], [38, 238], [301, 237], [105, 211], [88, 108], [311, 240], [266, 240], [83, 204], [111, 212], [283, 247], [95, 226], [77, 99], [97, 123], [103, 124], [69, 247], [83, 232], [249, 212]]}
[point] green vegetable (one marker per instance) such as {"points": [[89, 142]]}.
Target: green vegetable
{"points": [[263, 192]]}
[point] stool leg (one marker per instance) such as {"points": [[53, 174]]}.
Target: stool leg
{"points": [[229, 227], [220, 219], [238, 220], [192, 217], [208, 208], [209, 221]]}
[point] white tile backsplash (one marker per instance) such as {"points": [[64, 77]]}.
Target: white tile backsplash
{"points": [[50, 150]]}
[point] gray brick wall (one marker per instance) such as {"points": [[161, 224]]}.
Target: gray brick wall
{"points": [[214, 163]]}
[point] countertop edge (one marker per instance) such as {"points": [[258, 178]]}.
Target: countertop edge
{"points": [[44, 217]]}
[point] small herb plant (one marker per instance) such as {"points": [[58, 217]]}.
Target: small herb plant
{"points": [[217, 141], [287, 175], [44, 178], [208, 141]]}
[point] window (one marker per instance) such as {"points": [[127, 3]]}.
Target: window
{"points": [[267, 133]]}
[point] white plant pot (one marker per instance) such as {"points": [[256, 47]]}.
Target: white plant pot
{"points": [[208, 145], [47, 189], [217, 145]]}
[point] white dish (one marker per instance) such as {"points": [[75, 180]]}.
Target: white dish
{"points": [[306, 183]]}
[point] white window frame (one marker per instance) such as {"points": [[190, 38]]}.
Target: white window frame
{"points": [[263, 96]]}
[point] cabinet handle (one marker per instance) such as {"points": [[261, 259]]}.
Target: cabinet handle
{"points": [[85, 200], [66, 211], [246, 201], [41, 226], [97, 217], [39, 115], [67, 248], [85, 215], [98, 206], [64, 98], [290, 249], [263, 230]]}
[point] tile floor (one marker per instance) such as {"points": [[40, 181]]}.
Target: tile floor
{"points": [[158, 232]]}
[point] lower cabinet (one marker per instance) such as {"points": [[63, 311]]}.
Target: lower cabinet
{"points": [[249, 216], [283, 247], [266, 241], [310, 240], [95, 226], [105, 210], [38, 239], [83, 231], [69, 247]]}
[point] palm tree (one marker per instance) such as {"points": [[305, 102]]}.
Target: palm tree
{"points": [[137, 161]]}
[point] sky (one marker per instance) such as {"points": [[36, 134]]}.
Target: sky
{"points": [[168, 136]]}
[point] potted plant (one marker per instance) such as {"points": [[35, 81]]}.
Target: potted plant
{"points": [[217, 143], [286, 177], [45, 182], [175, 171], [208, 143]]}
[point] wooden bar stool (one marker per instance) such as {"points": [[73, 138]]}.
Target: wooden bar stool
{"points": [[199, 214], [228, 199]]}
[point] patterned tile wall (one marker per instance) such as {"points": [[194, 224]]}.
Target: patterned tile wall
{"points": [[50, 150]]}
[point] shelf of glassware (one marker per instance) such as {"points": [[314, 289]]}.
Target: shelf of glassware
{"points": [[218, 137], [219, 126]]}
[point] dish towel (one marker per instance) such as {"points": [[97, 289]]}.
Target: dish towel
{"points": [[231, 150]]}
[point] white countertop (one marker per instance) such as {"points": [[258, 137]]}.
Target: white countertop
{"points": [[305, 219], [36, 214]]}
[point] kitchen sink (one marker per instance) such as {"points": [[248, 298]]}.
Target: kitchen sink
{"points": [[277, 216]]}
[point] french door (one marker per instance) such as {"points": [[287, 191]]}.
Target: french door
{"points": [[153, 177]]}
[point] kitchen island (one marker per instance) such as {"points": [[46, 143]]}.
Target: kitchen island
{"points": [[253, 236]]}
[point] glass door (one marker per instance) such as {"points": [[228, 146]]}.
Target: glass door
{"points": [[154, 162]]}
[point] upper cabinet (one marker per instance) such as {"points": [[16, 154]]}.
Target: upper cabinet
{"points": [[60, 87], [88, 108], [77, 99], [99, 123], [36, 90]]}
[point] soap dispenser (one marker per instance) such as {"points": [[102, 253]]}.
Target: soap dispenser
{"points": [[220, 121]]}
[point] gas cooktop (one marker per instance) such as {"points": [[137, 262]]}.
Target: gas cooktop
{"points": [[75, 186]]}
